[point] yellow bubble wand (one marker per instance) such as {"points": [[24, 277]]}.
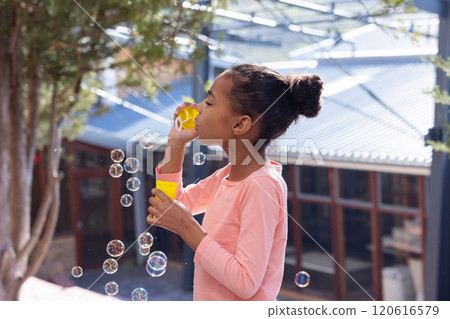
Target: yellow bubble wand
{"points": [[186, 118]]}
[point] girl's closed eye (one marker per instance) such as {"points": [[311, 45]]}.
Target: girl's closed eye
{"points": [[207, 103]]}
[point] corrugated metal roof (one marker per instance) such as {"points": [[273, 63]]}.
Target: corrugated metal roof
{"points": [[352, 124]]}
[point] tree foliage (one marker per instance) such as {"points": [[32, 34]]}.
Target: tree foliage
{"points": [[51, 53]]}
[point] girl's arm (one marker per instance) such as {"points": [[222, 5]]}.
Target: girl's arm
{"points": [[177, 140], [173, 157], [260, 243], [174, 216], [195, 196]]}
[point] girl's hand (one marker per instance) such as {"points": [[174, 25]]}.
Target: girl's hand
{"points": [[169, 214], [184, 135], [174, 216]]}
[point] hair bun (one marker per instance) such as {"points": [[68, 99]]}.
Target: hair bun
{"points": [[305, 92]]}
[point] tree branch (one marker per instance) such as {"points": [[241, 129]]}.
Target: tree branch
{"points": [[77, 82], [7, 252], [5, 61], [39, 222], [175, 31], [39, 253], [76, 93], [40, 247], [33, 110], [19, 193]]}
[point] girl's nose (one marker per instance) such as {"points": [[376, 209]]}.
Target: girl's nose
{"points": [[200, 107]]}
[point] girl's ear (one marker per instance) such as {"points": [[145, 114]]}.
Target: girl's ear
{"points": [[242, 125]]}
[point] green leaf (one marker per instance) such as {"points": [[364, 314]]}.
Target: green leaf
{"points": [[439, 96], [207, 85]]}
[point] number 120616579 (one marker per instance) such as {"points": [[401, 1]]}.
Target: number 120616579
{"points": [[405, 310]]}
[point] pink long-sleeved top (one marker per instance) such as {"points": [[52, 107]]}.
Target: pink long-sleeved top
{"points": [[242, 255]]}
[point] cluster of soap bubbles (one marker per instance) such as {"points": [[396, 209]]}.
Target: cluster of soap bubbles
{"points": [[115, 248], [130, 165], [145, 241], [157, 261], [156, 264], [302, 279], [117, 156]]}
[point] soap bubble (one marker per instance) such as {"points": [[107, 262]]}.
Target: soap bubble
{"points": [[111, 288], [144, 251], [156, 264], [77, 271], [110, 266], [302, 279], [115, 248], [199, 158], [131, 165], [158, 260], [154, 273], [126, 200], [117, 155], [148, 141], [115, 170], [133, 184], [145, 240], [139, 294]]}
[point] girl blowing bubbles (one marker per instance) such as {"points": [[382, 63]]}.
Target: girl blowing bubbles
{"points": [[240, 246]]}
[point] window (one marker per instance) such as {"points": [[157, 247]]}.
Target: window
{"points": [[399, 190], [358, 254], [401, 258], [401, 237], [90, 159], [316, 220], [314, 180], [96, 218], [354, 184]]}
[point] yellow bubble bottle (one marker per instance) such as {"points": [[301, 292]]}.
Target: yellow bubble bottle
{"points": [[169, 188], [186, 118]]}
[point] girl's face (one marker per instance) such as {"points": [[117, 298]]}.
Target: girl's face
{"points": [[215, 119]]}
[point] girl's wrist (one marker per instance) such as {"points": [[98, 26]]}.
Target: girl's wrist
{"points": [[175, 143]]}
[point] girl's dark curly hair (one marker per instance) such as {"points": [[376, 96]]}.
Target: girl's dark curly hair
{"points": [[275, 101]]}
